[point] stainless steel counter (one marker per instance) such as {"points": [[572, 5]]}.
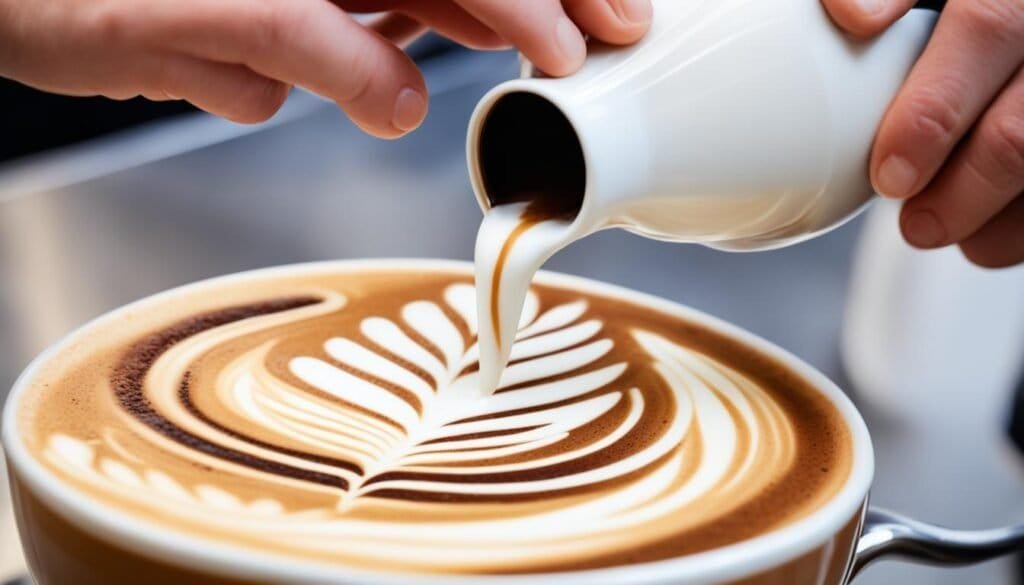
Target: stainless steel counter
{"points": [[84, 231]]}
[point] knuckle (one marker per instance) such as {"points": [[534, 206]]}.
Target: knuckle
{"points": [[935, 114], [122, 94], [1006, 143], [362, 70], [110, 21], [164, 81]]}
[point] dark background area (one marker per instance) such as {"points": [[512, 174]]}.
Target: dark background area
{"points": [[32, 121]]}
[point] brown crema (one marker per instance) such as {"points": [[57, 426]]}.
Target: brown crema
{"points": [[333, 416]]}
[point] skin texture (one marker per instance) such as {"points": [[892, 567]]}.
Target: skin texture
{"points": [[952, 144], [239, 58]]}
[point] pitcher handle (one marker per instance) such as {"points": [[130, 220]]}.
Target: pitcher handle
{"points": [[888, 534]]}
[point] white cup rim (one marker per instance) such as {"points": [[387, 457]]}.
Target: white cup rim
{"points": [[731, 562]]}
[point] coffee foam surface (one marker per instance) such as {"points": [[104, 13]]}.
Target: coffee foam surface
{"points": [[339, 417]]}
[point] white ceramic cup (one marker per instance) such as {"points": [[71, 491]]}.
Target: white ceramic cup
{"points": [[69, 538]]}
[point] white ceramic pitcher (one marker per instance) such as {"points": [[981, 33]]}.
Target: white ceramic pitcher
{"points": [[740, 124]]}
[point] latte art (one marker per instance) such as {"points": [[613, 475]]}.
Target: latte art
{"points": [[344, 422]]}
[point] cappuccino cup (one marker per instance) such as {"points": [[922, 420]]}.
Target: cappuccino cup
{"points": [[324, 424]]}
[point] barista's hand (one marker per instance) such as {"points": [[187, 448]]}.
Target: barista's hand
{"points": [[952, 143], [239, 58]]}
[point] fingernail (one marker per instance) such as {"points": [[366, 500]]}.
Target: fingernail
{"points": [[410, 107], [570, 41], [896, 177], [637, 11], [871, 6], [924, 230]]}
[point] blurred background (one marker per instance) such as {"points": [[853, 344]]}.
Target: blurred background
{"points": [[104, 202]]}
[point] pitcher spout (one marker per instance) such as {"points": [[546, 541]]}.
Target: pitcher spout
{"points": [[531, 141]]}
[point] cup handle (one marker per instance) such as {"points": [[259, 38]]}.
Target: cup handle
{"points": [[888, 534]]}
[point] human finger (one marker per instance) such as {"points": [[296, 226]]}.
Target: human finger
{"points": [[308, 43], [454, 22], [613, 21], [541, 29], [985, 174], [1000, 242], [975, 49], [866, 18], [234, 92]]}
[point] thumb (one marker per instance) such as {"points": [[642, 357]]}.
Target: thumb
{"points": [[867, 18]]}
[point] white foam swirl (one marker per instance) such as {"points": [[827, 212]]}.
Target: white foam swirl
{"points": [[400, 403]]}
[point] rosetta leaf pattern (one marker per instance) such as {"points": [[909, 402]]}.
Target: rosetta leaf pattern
{"points": [[448, 429]]}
